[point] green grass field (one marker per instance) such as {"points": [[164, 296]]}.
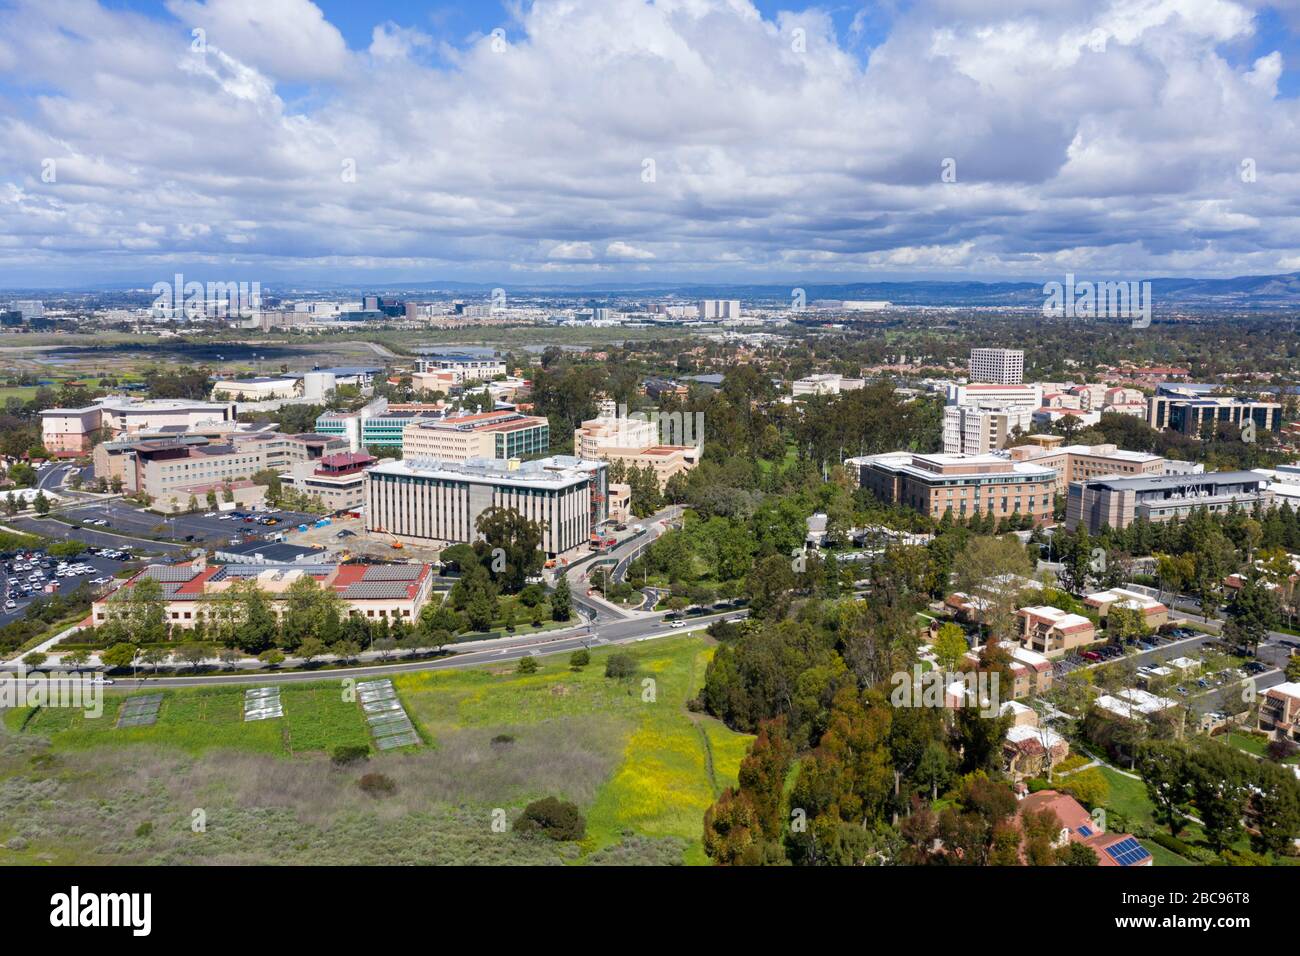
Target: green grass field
{"points": [[316, 718], [671, 765]]}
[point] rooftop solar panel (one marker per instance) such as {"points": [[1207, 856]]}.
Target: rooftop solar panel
{"points": [[392, 572], [1127, 852], [171, 572], [380, 590], [1084, 831]]}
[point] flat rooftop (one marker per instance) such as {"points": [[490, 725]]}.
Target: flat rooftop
{"points": [[555, 472]]}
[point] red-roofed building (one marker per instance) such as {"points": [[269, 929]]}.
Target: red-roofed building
{"points": [[1077, 826], [338, 480], [373, 591]]}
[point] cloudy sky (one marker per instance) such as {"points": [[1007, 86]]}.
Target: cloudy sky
{"points": [[571, 141]]}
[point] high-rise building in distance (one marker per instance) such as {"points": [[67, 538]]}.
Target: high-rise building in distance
{"points": [[999, 366]]}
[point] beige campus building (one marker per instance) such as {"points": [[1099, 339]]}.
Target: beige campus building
{"points": [[966, 485], [498, 434], [635, 442], [1082, 462]]}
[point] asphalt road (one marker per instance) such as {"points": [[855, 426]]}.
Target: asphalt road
{"points": [[105, 538], [622, 555], [470, 654]]}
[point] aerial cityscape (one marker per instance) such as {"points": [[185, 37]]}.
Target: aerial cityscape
{"points": [[652, 433]]}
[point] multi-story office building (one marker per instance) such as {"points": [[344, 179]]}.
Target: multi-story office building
{"points": [[978, 430], [377, 425], [1193, 409], [461, 369], [284, 451], [1002, 366], [635, 442], [258, 389], [498, 434], [70, 431], [966, 485], [118, 459], [372, 591], [1117, 502], [167, 466], [714, 310], [980, 418], [434, 503], [1082, 462], [338, 480]]}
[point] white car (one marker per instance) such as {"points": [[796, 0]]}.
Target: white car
{"points": [[210, 514], [10, 604], [677, 624]]}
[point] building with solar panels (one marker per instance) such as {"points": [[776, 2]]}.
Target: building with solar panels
{"points": [[372, 591], [436, 503], [1078, 826]]}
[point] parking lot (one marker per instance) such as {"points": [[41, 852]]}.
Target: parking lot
{"points": [[23, 579], [200, 528]]}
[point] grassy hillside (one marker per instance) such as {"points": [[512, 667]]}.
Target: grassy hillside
{"points": [[629, 753]]}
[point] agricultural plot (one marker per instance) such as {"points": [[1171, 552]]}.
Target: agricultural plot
{"points": [[262, 703], [140, 711], [311, 718], [385, 715]]}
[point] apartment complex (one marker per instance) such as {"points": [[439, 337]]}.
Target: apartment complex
{"points": [[71, 431], [1192, 409], [1031, 672], [966, 485], [1000, 366], [1279, 711], [1078, 826], [372, 591], [1054, 633], [1152, 612], [433, 503], [497, 434], [338, 480], [1117, 502], [635, 442]]}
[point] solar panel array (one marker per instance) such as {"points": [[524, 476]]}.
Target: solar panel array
{"points": [[385, 715], [176, 573], [371, 590], [1127, 852], [262, 703], [392, 572], [1084, 831], [140, 711]]}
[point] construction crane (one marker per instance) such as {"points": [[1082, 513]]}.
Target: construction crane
{"points": [[394, 543]]}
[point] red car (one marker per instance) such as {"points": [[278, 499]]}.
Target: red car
{"points": [[1091, 655]]}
